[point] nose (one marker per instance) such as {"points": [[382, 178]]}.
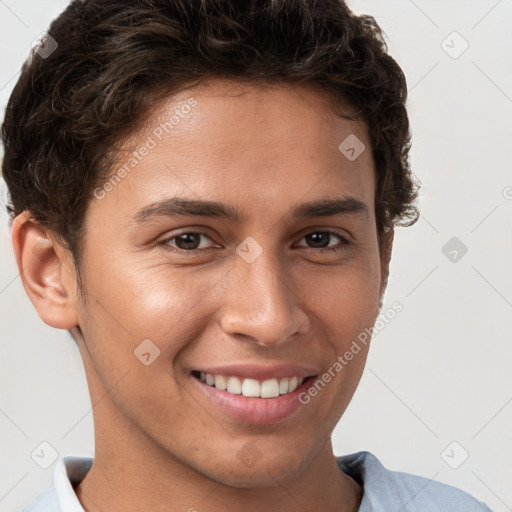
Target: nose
{"points": [[261, 303]]}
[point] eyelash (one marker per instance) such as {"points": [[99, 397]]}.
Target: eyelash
{"points": [[343, 241]]}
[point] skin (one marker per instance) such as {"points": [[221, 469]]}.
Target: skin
{"points": [[161, 445]]}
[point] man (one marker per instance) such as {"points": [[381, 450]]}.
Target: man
{"points": [[204, 194]]}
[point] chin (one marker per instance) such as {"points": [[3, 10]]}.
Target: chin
{"points": [[263, 467]]}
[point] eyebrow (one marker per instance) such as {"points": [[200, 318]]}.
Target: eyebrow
{"points": [[175, 206]]}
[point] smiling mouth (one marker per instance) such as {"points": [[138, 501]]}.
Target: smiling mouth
{"points": [[251, 388]]}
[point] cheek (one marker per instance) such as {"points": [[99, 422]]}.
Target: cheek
{"points": [[159, 300], [129, 302], [345, 307], [345, 299], [129, 314]]}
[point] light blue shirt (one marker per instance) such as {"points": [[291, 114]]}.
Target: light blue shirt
{"points": [[384, 490]]}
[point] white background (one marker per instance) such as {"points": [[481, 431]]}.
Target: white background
{"points": [[440, 371]]}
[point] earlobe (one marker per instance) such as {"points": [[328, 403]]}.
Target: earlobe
{"points": [[46, 273]]}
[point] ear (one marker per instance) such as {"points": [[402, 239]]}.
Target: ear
{"points": [[46, 271], [386, 246]]}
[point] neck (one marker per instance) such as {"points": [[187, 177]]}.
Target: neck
{"points": [[131, 472], [132, 477]]}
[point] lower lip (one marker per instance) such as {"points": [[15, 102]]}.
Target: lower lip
{"points": [[259, 411]]}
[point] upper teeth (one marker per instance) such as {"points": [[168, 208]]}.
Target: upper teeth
{"points": [[251, 387]]}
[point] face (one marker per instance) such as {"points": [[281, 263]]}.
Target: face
{"points": [[260, 289]]}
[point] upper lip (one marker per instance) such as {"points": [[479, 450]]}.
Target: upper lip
{"points": [[260, 372]]}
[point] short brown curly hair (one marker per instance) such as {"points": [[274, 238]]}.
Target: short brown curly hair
{"points": [[115, 58]]}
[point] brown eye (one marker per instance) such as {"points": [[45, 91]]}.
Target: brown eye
{"points": [[321, 240], [188, 241]]}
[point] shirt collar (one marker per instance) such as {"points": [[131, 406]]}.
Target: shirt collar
{"points": [[69, 472], [363, 467]]}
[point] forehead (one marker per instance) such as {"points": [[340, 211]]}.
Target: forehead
{"points": [[252, 144], [239, 115]]}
